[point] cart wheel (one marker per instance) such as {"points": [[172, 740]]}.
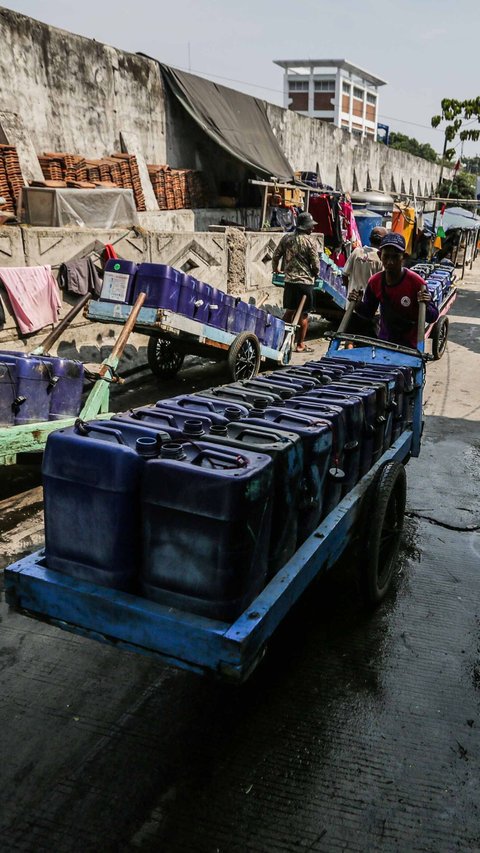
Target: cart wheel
{"points": [[439, 337], [244, 356], [385, 526], [163, 359]]}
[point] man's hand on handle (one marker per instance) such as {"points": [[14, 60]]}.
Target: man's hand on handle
{"points": [[424, 295], [355, 296]]}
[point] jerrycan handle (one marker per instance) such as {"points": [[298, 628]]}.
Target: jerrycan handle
{"points": [[235, 460], [84, 428], [155, 414]]}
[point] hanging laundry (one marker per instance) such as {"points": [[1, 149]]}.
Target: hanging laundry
{"points": [[34, 296], [351, 227], [321, 211], [80, 277], [403, 222]]}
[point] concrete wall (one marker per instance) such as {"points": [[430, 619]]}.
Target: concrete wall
{"points": [[234, 261], [75, 94], [345, 162]]}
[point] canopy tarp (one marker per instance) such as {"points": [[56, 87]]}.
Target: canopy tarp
{"points": [[454, 217], [235, 121]]}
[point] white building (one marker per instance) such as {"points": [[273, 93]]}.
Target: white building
{"points": [[333, 90]]}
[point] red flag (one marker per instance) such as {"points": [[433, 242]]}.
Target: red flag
{"points": [[442, 209]]}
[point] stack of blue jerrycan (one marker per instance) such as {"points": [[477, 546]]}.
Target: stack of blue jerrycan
{"points": [[171, 289], [198, 501], [186, 523], [36, 388], [284, 448]]}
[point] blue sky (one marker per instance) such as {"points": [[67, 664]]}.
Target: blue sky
{"points": [[424, 49]]}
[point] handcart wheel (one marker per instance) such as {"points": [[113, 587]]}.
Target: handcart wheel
{"points": [[163, 359], [244, 356], [439, 337], [385, 526]]}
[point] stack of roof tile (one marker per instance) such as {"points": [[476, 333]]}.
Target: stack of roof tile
{"points": [[117, 171], [177, 188], [11, 181]]}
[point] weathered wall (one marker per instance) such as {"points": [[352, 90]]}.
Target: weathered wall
{"points": [[233, 261], [345, 162], [75, 94]]}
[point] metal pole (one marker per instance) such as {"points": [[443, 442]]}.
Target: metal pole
{"points": [[422, 310], [435, 211]]}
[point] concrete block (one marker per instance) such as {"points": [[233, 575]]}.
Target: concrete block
{"points": [[258, 260], [202, 255], [55, 246], [11, 247], [167, 220]]}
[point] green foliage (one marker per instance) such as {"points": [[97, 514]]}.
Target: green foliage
{"points": [[458, 112], [471, 164], [401, 142], [462, 186]]}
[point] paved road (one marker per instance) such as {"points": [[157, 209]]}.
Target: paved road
{"points": [[361, 731]]}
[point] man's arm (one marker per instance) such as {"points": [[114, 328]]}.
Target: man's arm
{"points": [[367, 306]]}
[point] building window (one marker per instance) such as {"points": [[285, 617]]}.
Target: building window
{"points": [[346, 87], [298, 85], [324, 85], [357, 93], [371, 99]]}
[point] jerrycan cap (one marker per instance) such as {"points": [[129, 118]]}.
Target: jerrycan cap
{"points": [[193, 427], [147, 446], [260, 403], [337, 474], [218, 429], [172, 450], [233, 413]]}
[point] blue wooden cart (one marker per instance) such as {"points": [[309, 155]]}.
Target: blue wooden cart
{"points": [[233, 650], [173, 335]]}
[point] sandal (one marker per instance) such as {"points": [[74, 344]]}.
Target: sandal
{"points": [[304, 349]]}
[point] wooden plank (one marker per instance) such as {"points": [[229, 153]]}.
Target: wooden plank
{"points": [[131, 144], [14, 132]]}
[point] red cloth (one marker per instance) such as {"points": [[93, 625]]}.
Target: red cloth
{"points": [[403, 300], [109, 252], [321, 211]]}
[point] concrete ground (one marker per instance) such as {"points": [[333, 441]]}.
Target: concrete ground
{"points": [[360, 731]]}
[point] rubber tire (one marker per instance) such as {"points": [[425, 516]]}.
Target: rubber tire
{"points": [[439, 337], [163, 359], [387, 497], [244, 356]]}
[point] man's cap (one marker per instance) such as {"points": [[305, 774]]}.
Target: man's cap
{"points": [[304, 221], [396, 241]]}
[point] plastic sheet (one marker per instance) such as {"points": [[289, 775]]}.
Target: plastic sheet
{"points": [[79, 208]]}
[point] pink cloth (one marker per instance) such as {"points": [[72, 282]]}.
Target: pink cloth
{"points": [[34, 296]]}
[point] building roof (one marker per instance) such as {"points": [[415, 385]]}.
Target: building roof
{"points": [[328, 63]]}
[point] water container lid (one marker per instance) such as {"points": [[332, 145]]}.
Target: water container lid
{"points": [[194, 427]]}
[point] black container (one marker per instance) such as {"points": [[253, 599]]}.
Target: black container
{"points": [[206, 514], [298, 384], [335, 417], [316, 439], [154, 418], [217, 410], [355, 427], [372, 444], [261, 387], [285, 450], [308, 380], [240, 396]]}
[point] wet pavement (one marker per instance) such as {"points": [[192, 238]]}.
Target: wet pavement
{"points": [[359, 732]]}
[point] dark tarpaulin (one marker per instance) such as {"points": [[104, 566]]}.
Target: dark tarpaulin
{"points": [[235, 121]]}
